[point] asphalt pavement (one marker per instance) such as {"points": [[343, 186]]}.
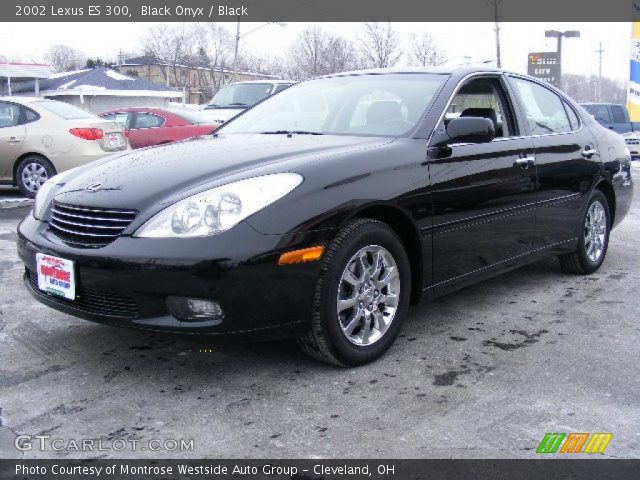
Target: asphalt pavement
{"points": [[483, 372]]}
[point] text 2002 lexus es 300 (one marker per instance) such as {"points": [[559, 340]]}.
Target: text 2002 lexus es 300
{"points": [[325, 210]]}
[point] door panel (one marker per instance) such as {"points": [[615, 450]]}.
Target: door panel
{"points": [[484, 207], [11, 140], [566, 157], [565, 178]]}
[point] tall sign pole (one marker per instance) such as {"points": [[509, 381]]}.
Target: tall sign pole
{"points": [[633, 92]]}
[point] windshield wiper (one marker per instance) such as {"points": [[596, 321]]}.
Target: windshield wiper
{"points": [[238, 104], [290, 132]]}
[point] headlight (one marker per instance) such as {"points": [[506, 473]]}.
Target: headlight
{"points": [[46, 193], [219, 209]]}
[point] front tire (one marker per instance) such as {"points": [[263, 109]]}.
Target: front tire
{"points": [[594, 238], [362, 295], [31, 173]]}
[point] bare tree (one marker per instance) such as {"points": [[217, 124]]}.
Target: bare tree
{"points": [[584, 88], [63, 58], [425, 52], [172, 46], [213, 56], [380, 45], [316, 52]]}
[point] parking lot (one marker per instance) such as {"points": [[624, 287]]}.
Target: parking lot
{"points": [[484, 372]]}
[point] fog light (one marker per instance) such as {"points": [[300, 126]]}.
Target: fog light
{"points": [[195, 309]]}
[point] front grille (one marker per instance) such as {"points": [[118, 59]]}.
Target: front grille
{"points": [[632, 141], [91, 301], [88, 226]]}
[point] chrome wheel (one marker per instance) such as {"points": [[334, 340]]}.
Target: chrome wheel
{"points": [[368, 295], [595, 231], [33, 176]]}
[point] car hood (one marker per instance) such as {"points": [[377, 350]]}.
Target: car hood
{"points": [[161, 175]]}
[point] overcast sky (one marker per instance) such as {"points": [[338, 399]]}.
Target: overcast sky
{"points": [[461, 41]]}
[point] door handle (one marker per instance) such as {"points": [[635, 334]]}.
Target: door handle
{"points": [[13, 140], [525, 161], [589, 151]]}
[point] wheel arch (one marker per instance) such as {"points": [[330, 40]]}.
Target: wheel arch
{"points": [[609, 192], [404, 227]]}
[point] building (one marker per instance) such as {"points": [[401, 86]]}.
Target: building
{"points": [[99, 90], [199, 83], [17, 72]]}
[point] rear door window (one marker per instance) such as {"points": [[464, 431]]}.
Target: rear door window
{"points": [[9, 115], [147, 120], [543, 109]]}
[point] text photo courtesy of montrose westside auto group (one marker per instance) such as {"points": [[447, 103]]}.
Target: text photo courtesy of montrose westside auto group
{"points": [[304, 240]]}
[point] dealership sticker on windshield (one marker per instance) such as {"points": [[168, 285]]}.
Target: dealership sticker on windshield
{"points": [[56, 276]]}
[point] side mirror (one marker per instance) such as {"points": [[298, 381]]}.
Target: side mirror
{"points": [[470, 130]]}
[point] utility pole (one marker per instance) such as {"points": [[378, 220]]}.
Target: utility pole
{"points": [[600, 51], [496, 19]]}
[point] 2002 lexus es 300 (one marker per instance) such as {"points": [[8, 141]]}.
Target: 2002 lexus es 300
{"points": [[324, 211]]}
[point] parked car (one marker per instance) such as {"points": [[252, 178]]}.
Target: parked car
{"points": [[616, 117], [39, 138], [328, 233], [146, 127], [234, 98]]}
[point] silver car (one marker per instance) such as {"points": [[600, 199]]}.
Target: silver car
{"points": [[40, 138]]}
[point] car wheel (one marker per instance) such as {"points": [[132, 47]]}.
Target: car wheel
{"points": [[594, 238], [31, 174], [362, 295]]}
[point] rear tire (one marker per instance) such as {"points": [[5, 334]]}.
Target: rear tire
{"points": [[594, 238], [31, 173], [362, 295]]}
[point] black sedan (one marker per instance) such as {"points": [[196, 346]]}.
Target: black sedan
{"points": [[325, 211]]}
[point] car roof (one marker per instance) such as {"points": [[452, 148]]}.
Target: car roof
{"points": [[23, 100], [266, 80], [460, 70]]}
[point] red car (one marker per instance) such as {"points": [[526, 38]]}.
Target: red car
{"points": [[146, 127]]}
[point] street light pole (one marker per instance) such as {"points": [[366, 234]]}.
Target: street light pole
{"points": [[559, 35]]}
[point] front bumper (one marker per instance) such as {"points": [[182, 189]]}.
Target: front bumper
{"points": [[126, 282]]}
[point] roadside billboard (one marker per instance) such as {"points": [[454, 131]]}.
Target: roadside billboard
{"points": [[545, 66]]}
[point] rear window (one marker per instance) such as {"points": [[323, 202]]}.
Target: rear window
{"points": [[64, 110]]}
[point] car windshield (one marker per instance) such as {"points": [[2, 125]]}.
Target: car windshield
{"points": [[64, 110], [372, 105], [240, 95]]}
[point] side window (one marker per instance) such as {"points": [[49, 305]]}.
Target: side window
{"points": [[573, 117], [147, 120], [618, 114], [543, 109], [600, 113], [28, 115], [9, 115], [483, 97]]}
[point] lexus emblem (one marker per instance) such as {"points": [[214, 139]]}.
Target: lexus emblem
{"points": [[92, 187]]}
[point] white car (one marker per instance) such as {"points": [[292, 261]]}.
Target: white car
{"points": [[40, 138], [234, 98]]}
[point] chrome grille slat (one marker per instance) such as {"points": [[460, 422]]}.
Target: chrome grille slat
{"points": [[95, 219], [87, 226], [57, 218]]}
